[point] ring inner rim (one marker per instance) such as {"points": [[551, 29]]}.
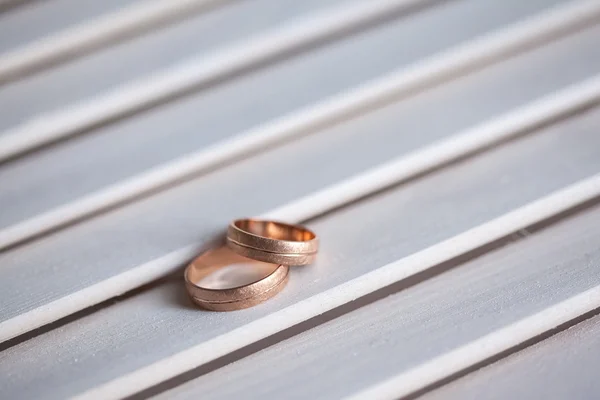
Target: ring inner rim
{"points": [[274, 230]]}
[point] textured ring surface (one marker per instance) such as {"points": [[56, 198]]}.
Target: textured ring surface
{"points": [[232, 298], [273, 241]]}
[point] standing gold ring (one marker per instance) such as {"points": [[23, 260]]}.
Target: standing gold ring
{"points": [[262, 287], [272, 241]]}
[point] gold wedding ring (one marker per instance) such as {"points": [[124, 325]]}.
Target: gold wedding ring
{"points": [[272, 241], [260, 251], [266, 280]]}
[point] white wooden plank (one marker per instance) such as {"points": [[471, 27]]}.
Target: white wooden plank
{"points": [[182, 337], [68, 298], [485, 347], [33, 20], [417, 326], [33, 207], [561, 367], [33, 49], [213, 52]]}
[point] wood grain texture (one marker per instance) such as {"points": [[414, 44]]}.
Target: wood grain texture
{"points": [[375, 135], [419, 324], [116, 176], [563, 366], [403, 221]]}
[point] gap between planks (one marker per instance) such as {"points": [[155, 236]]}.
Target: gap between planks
{"points": [[523, 217], [200, 71], [96, 33], [484, 348], [509, 126], [435, 70]]}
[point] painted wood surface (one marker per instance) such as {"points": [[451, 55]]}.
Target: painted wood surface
{"points": [[563, 366], [120, 173], [375, 135], [182, 337], [49, 17], [131, 133], [419, 324]]}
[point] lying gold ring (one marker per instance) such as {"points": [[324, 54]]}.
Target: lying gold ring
{"points": [[238, 297], [272, 242]]}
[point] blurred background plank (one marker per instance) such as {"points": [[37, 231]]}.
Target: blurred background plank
{"points": [[59, 30], [197, 54], [94, 162], [33, 20]]}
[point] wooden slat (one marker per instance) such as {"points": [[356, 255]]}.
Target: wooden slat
{"points": [[561, 367], [24, 311], [63, 29], [486, 347], [400, 223], [198, 54], [231, 114], [31, 21], [29, 213], [420, 325], [476, 172]]}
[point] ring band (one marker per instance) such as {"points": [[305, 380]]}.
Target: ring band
{"points": [[272, 241], [234, 298]]}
